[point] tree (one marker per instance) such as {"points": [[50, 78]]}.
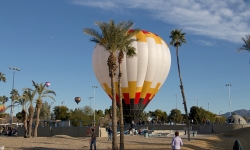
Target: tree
{"points": [[61, 113], [130, 52], [112, 39], [175, 116], [23, 102], [29, 95], [42, 93], [78, 117], [2, 77], [45, 111], [3, 99], [246, 45], [177, 39], [160, 115], [14, 96]]}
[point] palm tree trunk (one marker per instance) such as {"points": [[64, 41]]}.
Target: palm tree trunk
{"points": [[24, 114], [183, 94], [37, 121], [31, 114], [112, 68], [120, 101]]}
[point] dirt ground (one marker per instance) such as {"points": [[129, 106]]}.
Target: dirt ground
{"points": [[209, 141]]}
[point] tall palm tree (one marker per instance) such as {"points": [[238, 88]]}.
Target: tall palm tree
{"points": [[42, 93], [246, 45], [14, 96], [130, 52], [23, 102], [112, 39], [29, 95], [2, 77], [177, 39]]}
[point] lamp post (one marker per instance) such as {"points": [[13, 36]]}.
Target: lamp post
{"points": [[208, 106], [197, 101], [220, 112], [176, 100], [12, 101], [229, 85], [90, 101], [95, 87], [51, 104]]}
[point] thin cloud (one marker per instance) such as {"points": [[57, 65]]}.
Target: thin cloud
{"points": [[225, 19], [202, 42]]}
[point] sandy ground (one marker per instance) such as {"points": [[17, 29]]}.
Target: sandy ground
{"points": [[211, 142]]}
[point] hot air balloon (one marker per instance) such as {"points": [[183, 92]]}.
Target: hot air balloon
{"points": [[2, 108], [143, 75], [77, 100], [47, 84]]}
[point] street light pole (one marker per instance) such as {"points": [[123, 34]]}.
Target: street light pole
{"points": [[52, 103], [220, 112], [12, 101], [95, 87], [229, 85], [197, 101], [90, 101], [208, 106]]}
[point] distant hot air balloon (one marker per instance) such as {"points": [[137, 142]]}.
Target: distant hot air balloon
{"points": [[77, 100], [2, 108], [47, 84], [143, 75]]}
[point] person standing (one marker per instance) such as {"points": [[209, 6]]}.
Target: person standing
{"points": [[110, 134], [177, 142], [93, 139]]}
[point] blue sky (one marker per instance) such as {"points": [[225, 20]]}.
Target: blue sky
{"points": [[45, 40]]}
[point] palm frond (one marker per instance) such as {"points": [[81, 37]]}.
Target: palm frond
{"points": [[177, 37], [246, 45], [46, 95]]}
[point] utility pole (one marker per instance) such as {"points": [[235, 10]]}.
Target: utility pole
{"points": [[229, 85]]}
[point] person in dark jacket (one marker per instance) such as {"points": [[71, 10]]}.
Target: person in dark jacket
{"points": [[93, 140]]}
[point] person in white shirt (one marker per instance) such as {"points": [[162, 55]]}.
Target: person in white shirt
{"points": [[176, 142]]}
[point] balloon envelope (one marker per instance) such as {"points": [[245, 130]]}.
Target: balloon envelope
{"points": [[142, 75], [2, 108], [47, 84], [77, 100]]}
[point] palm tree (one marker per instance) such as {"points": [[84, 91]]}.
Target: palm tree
{"points": [[29, 95], [42, 93], [246, 46], [14, 96], [130, 52], [177, 39], [112, 39], [2, 77], [3, 99], [23, 102]]}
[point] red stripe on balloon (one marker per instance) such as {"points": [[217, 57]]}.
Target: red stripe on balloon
{"points": [[137, 97], [117, 99], [146, 98], [126, 98]]}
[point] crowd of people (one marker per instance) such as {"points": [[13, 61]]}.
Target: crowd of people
{"points": [[8, 131]]}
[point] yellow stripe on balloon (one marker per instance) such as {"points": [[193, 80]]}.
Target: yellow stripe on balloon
{"points": [[155, 90], [156, 38], [145, 88], [132, 89], [107, 89], [141, 37]]}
